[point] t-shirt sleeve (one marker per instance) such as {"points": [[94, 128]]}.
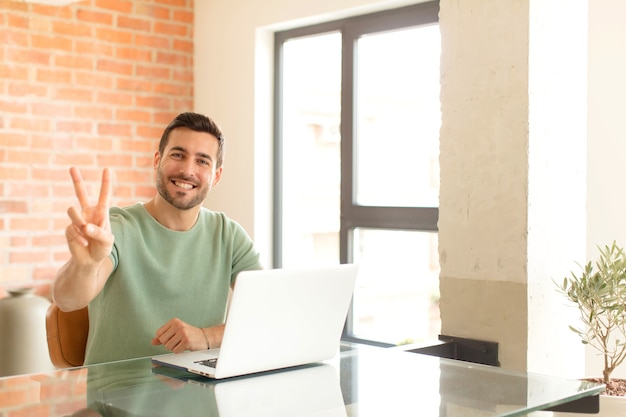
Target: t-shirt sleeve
{"points": [[245, 255]]}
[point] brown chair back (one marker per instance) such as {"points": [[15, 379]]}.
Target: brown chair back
{"points": [[67, 336]]}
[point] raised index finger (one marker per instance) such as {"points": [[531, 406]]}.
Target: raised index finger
{"points": [[79, 188]]}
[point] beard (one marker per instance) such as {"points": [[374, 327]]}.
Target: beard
{"points": [[179, 203]]}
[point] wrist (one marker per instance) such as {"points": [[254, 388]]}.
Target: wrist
{"points": [[206, 338]]}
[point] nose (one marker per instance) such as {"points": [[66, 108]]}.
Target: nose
{"points": [[186, 168]]}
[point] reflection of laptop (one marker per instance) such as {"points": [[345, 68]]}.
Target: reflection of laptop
{"points": [[309, 390], [277, 318], [312, 391]]}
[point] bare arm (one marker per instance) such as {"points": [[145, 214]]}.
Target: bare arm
{"points": [[90, 241]]}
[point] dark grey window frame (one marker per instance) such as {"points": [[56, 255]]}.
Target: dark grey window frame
{"points": [[352, 215]]}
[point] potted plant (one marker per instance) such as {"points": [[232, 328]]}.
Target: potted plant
{"points": [[599, 292]]}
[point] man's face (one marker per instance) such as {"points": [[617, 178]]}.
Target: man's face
{"points": [[186, 171]]}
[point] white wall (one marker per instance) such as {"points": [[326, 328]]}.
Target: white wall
{"points": [[606, 158], [233, 84]]}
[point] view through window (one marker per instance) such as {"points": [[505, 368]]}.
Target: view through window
{"points": [[393, 136]]}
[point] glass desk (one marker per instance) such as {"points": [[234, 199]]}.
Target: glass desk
{"points": [[358, 382]]}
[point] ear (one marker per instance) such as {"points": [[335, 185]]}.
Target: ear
{"points": [[157, 160], [217, 177]]}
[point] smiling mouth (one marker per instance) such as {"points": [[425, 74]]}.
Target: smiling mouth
{"points": [[183, 185]]}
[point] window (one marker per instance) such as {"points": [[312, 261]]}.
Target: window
{"points": [[357, 163]]}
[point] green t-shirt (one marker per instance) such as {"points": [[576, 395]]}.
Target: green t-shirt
{"points": [[159, 274]]}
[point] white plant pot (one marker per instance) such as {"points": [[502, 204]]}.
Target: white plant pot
{"points": [[610, 406]]}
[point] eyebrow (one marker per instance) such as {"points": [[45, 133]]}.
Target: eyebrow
{"points": [[200, 154]]}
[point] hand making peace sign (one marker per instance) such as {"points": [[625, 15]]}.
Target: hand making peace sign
{"points": [[89, 236]]}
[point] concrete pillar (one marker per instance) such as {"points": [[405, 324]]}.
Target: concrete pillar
{"points": [[512, 197]]}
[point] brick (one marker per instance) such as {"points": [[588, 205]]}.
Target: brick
{"points": [[28, 256], [29, 223], [27, 56], [152, 71], [14, 38], [74, 61], [17, 241], [17, 21], [28, 157], [137, 145], [73, 29], [74, 126], [10, 173], [47, 141], [50, 174], [126, 22], [94, 16], [183, 45], [134, 115], [102, 81], [173, 89], [113, 66], [135, 176], [123, 129], [55, 76], [93, 47], [11, 140], [51, 109], [114, 35], [13, 206], [27, 89], [31, 124], [175, 3], [151, 10], [74, 159], [17, 72], [183, 75], [172, 29], [119, 99], [94, 112], [173, 59], [80, 95], [17, 190], [155, 102], [184, 16], [117, 5], [152, 41], [134, 54], [51, 42], [95, 143], [50, 10], [133, 84], [150, 131], [115, 160]]}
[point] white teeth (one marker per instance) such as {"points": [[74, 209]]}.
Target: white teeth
{"points": [[183, 185]]}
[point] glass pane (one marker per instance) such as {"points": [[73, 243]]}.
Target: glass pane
{"points": [[398, 118], [311, 150], [396, 299]]}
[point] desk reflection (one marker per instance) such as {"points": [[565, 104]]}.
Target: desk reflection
{"points": [[135, 391]]}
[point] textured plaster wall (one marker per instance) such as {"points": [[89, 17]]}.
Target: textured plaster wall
{"points": [[511, 214]]}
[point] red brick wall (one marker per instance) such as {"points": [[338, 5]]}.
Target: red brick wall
{"points": [[90, 84]]}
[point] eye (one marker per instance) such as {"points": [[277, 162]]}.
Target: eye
{"points": [[204, 162], [176, 155]]}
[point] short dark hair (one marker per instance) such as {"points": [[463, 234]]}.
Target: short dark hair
{"points": [[199, 123]]}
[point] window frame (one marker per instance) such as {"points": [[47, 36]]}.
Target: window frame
{"points": [[352, 215]]}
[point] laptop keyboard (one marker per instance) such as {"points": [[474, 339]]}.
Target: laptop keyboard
{"points": [[211, 363]]}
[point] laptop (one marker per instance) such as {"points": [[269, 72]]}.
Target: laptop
{"points": [[278, 318]]}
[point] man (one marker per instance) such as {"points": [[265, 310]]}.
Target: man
{"points": [[156, 275]]}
